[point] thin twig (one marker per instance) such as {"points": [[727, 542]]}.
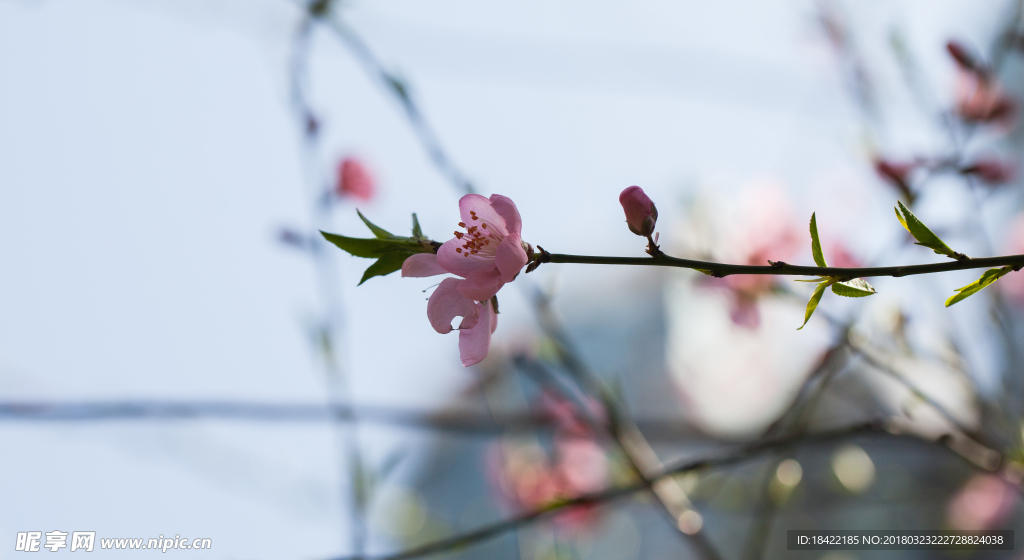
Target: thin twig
{"points": [[400, 91], [784, 269], [332, 335]]}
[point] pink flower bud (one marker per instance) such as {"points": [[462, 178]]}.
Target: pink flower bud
{"points": [[895, 172], [962, 56], [991, 171], [641, 215], [354, 180], [980, 99]]}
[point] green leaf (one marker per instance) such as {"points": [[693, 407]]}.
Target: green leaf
{"points": [[900, 218], [385, 265], [366, 248], [853, 288], [378, 231], [989, 277], [389, 249], [812, 304], [819, 258], [922, 234], [416, 231]]}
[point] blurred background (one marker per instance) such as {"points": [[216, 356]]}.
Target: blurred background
{"points": [[181, 354]]}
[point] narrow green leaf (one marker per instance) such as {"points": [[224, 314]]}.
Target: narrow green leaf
{"points": [[366, 248], [900, 218], [922, 234], [416, 231], [385, 265], [375, 248], [815, 280], [812, 304], [989, 277], [378, 231], [853, 288], [819, 258]]}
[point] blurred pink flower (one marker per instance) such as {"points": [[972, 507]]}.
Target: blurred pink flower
{"points": [[568, 419], [487, 256], [983, 503], [962, 56], [980, 99], [991, 170], [529, 478], [766, 231], [641, 214], [1013, 283], [581, 464], [355, 180], [897, 173], [839, 256]]}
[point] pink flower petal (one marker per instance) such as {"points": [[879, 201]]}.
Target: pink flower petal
{"points": [[458, 262], [480, 206], [446, 303], [505, 208], [481, 286], [476, 341], [421, 265], [510, 257]]}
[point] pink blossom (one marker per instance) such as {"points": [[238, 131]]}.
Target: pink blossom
{"points": [[489, 254], [838, 255], [962, 56], [641, 214], [898, 173], [531, 478], [1013, 283], [355, 180], [991, 170], [983, 503], [581, 464], [766, 231], [979, 98]]}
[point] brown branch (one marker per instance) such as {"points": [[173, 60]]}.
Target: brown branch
{"points": [[778, 268]]}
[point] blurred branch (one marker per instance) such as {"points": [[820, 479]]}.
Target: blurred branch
{"points": [[738, 455], [450, 421], [399, 89], [332, 337]]}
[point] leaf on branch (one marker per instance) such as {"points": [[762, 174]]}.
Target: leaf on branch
{"points": [[922, 234], [853, 288], [812, 304], [378, 231], [819, 258], [416, 231], [389, 249], [385, 265], [989, 277], [365, 248]]}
